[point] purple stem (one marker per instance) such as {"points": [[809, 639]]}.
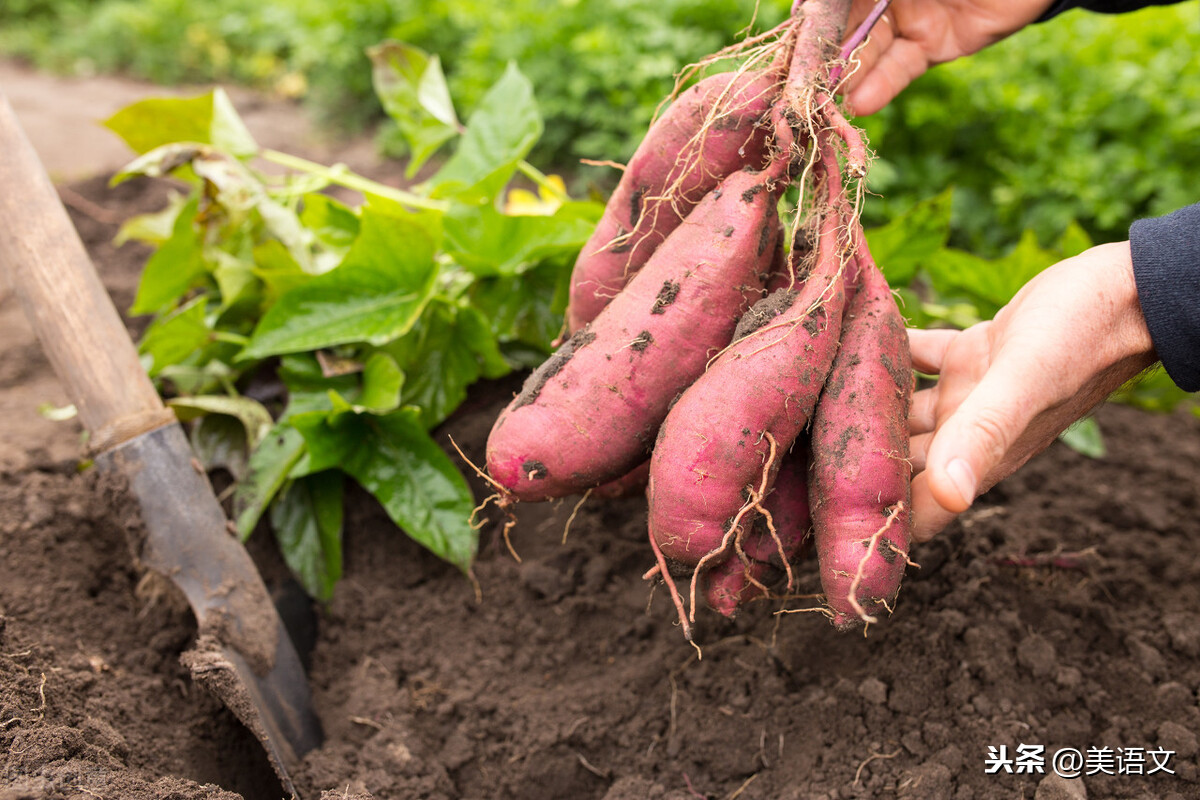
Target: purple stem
{"points": [[859, 36]]}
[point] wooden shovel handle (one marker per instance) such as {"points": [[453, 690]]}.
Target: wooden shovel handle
{"points": [[50, 274]]}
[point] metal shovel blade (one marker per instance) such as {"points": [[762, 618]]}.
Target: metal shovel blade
{"points": [[243, 653]]}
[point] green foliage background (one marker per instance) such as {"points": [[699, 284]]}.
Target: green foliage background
{"points": [[1086, 118]]}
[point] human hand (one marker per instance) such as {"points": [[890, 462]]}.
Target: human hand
{"points": [[1009, 386], [916, 34]]}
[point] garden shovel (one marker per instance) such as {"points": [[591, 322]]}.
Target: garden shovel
{"points": [[243, 653]]}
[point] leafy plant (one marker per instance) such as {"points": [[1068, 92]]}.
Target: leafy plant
{"points": [[374, 319]]}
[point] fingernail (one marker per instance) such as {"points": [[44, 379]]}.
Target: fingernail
{"points": [[963, 478]]}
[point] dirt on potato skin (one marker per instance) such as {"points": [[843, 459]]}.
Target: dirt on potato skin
{"points": [[571, 678]]}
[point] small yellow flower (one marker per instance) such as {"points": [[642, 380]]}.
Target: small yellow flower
{"points": [[524, 203]]}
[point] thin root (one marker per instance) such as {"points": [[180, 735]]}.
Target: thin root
{"points": [[594, 163], [665, 574], [869, 759], [570, 519], [852, 595], [754, 502], [509, 524]]}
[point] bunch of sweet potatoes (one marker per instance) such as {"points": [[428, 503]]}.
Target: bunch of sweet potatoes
{"points": [[762, 369]]}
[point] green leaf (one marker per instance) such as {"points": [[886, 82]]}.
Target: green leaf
{"points": [[374, 296], [219, 441], [413, 90], [266, 472], [206, 119], [381, 382], [307, 519], [251, 413], [173, 337], [174, 268], [1073, 241], [527, 308], [309, 387], [154, 228], [1084, 437], [276, 268], [335, 225], [490, 243], [394, 459], [236, 280], [451, 348], [912, 239], [226, 130], [991, 284], [501, 132]]}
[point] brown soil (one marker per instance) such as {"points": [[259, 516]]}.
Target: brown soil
{"points": [[1061, 611]]}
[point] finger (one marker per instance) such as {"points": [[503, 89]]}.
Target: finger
{"points": [[929, 348], [902, 63], [922, 416], [867, 56], [859, 10], [976, 436], [918, 451], [928, 518]]}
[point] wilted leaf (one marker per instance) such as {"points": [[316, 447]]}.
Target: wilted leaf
{"points": [[219, 442], [251, 413]]}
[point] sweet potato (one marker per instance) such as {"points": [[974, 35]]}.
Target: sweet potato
{"points": [[629, 484], [590, 413], [737, 580], [709, 132], [722, 442], [859, 473]]}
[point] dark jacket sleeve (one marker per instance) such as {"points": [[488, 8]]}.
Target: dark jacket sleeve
{"points": [[1102, 6], [1166, 266]]}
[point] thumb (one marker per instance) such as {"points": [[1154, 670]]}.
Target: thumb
{"points": [[974, 440]]}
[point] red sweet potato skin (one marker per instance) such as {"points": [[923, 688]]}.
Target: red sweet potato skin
{"points": [[590, 413], [667, 176], [628, 485], [734, 582], [713, 445], [859, 474]]}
